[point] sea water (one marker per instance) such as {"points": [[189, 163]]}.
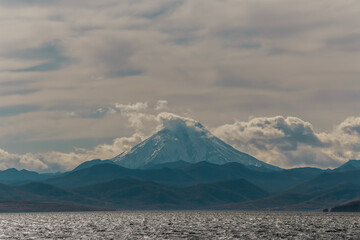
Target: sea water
{"points": [[180, 225]]}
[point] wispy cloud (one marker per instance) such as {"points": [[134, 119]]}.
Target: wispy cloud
{"points": [[49, 53], [8, 111], [161, 105], [116, 108], [127, 108]]}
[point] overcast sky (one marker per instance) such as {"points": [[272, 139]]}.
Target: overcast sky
{"points": [[277, 79]]}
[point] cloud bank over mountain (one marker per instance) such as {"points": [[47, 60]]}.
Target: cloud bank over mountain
{"points": [[281, 141]]}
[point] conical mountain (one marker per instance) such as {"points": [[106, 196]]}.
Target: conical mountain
{"points": [[185, 140]]}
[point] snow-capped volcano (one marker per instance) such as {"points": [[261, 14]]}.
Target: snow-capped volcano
{"points": [[184, 140]]}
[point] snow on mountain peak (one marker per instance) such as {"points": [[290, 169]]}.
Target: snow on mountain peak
{"points": [[183, 139]]}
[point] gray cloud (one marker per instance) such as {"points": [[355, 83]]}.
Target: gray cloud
{"points": [[17, 110], [19, 92], [49, 53]]}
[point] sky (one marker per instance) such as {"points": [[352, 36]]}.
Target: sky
{"points": [[80, 80]]}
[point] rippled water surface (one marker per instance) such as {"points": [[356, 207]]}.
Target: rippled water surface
{"points": [[180, 225]]}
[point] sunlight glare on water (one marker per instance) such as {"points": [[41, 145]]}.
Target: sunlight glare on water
{"points": [[180, 225]]}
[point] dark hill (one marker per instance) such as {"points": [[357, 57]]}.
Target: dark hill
{"points": [[353, 206], [316, 200], [107, 172], [177, 164], [9, 192], [225, 191], [202, 172], [327, 180], [40, 192], [91, 163], [137, 194], [11, 206], [350, 165], [45, 192], [14, 176], [275, 181]]}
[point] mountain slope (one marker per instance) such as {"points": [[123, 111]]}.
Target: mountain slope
{"points": [[327, 180], [127, 194], [224, 191], [350, 165], [178, 164], [40, 192], [45, 192], [353, 206], [192, 174], [290, 201], [10, 192], [188, 141], [138, 194], [91, 163], [11, 206], [107, 172], [273, 181]]}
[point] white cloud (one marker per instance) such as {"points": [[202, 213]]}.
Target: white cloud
{"points": [[344, 142], [289, 142], [161, 105], [165, 118], [58, 161], [26, 161], [129, 108]]}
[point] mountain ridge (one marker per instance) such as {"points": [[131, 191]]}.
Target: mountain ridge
{"points": [[348, 166], [201, 185], [197, 173]]}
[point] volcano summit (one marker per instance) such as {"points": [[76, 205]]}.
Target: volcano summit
{"points": [[188, 141]]}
